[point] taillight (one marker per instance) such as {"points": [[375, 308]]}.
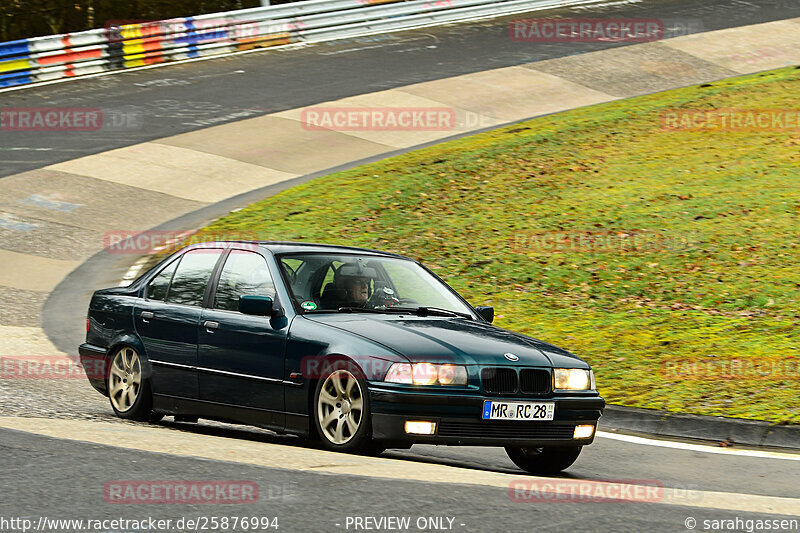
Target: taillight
{"points": [[87, 324]]}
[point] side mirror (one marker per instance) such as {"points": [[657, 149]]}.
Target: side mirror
{"points": [[487, 312], [257, 305]]}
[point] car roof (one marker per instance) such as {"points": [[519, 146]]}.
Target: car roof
{"points": [[288, 247]]}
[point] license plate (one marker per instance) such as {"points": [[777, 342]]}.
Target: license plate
{"points": [[494, 410]]}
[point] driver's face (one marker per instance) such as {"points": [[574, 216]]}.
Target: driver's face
{"points": [[358, 289]]}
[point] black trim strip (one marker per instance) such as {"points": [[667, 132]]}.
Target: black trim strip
{"points": [[224, 373], [199, 400], [171, 365], [237, 375]]}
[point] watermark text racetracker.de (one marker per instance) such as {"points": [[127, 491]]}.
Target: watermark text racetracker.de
{"points": [[180, 492], [188, 32], [149, 524], [539, 491], [52, 367], [69, 119], [584, 491], [717, 368], [599, 241], [591, 30], [730, 119], [145, 242], [392, 119]]}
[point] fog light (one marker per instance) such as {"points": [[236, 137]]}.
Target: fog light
{"points": [[420, 428], [583, 432]]}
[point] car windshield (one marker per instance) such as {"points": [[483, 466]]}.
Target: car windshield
{"points": [[364, 283]]}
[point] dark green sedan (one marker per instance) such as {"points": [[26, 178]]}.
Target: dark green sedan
{"points": [[363, 350]]}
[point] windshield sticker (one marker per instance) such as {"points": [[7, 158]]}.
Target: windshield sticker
{"points": [[308, 306]]}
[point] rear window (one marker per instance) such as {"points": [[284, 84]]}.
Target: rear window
{"points": [[157, 289]]}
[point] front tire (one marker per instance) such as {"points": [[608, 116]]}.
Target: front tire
{"points": [[128, 389], [544, 461], [342, 411]]}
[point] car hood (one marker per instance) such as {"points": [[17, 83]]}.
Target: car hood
{"points": [[450, 340]]}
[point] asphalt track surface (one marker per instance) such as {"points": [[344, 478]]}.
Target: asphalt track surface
{"points": [[61, 479], [65, 480], [175, 99]]}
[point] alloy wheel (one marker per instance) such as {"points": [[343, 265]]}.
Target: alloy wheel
{"points": [[125, 380], [340, 407]]}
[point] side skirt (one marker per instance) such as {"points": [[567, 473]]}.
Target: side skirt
{"points": [[296, 424]]}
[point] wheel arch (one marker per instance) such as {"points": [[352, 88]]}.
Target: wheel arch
{"points": [[133, 341], [326, 361]]}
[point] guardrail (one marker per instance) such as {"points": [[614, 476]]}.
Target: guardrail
{"points": [[120, 46]]}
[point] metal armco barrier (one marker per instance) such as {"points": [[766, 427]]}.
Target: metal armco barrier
{"points": [[121, 46]]}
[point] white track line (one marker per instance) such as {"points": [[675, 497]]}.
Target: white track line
{"points": [[133, 272], [698, 447]]}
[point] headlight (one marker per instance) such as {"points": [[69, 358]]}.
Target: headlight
{"points": [[426, 374], [573, 379]]}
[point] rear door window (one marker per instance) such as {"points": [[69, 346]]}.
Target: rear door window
{"points": [[191, 278]]}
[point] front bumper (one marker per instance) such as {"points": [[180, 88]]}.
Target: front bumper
{"points": [[458, 418]]}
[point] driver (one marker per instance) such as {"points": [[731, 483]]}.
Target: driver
{"points": [[355, 282], [357, 289]]}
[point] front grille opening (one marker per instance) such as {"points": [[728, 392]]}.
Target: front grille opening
{"points": [[534, 381], [499, 380], [506, 430]]}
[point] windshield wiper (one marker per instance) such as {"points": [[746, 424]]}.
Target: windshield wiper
{"points": [[361, 310], [421, 311], [432, 311]]}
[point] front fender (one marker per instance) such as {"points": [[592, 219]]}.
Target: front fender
{"points": [[310, 344], [310, 348]]}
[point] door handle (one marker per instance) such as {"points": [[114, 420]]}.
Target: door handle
{"points": [[146, 316], [210, 325]]}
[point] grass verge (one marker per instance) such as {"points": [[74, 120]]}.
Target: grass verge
{"points": [[669, 260]]}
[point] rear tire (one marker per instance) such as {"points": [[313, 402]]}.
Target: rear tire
{"points": [[544, 461], [128, 389]]}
